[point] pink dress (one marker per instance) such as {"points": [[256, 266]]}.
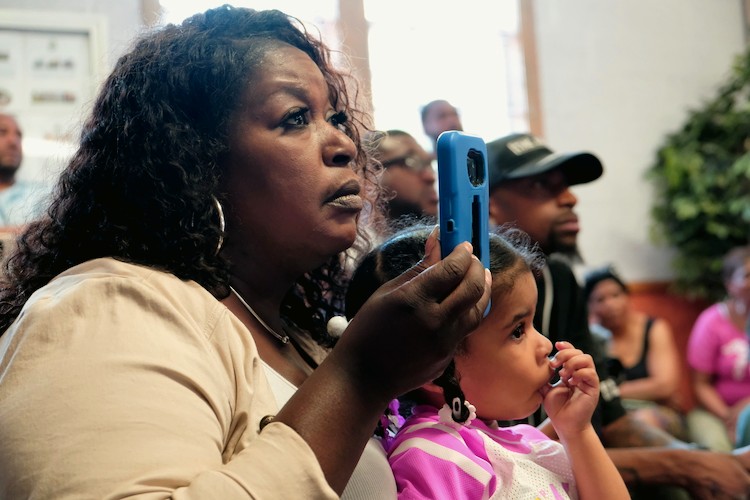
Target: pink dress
{"points": [[433, 460], [718, 348]]}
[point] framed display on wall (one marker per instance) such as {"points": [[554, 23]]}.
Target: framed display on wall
{"points": [[51, 64]]}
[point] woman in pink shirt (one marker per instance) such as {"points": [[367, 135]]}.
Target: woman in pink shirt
{"points": [[718, 353]]}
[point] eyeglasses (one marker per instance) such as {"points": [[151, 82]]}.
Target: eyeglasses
{"points": [[412, 163]]}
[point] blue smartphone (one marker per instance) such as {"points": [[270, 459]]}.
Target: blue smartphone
{"points": [[464, 194]]}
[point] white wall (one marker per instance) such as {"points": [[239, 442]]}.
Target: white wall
{"points": [[121, 23], [123, 17], [616, 76]]}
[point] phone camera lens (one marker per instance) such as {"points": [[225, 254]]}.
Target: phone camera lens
{"points": [[475, 167]]}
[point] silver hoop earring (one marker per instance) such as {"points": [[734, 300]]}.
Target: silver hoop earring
{"points": [[222, 223]]}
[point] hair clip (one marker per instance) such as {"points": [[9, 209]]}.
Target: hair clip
{"points": [[391, 421], [452, 415]]}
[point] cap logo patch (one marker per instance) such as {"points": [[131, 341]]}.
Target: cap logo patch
{"points": [[524, 145]]}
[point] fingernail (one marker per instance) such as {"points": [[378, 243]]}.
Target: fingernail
{"points": [[554, 380], [432, 241]]}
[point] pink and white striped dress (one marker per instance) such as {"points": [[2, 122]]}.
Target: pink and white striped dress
{"points": [[434, 460]]}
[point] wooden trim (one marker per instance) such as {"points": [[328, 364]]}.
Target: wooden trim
{"points": [[353, 30], [531, 64], [660, 287]]}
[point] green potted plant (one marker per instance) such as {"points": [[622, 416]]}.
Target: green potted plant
{"points": [[702, 186]]}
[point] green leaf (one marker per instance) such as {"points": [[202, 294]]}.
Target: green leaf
{"points": [[701, 178]]}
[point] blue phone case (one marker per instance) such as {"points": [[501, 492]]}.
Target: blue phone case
{"points": [[464, 194]]}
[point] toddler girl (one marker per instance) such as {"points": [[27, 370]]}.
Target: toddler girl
{"points": [[450, 445]]}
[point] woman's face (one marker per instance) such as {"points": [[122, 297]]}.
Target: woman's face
{"points": [[608, 302], [504, 364], [738, 286], [293, 195]]}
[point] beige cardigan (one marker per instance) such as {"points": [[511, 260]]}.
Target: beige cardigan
{"points": [[118, 380]]}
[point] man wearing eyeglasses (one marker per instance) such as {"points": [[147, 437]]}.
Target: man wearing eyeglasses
{"points": [[408, 175], [530, 188]]}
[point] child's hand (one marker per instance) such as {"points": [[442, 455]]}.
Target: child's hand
{"points": [[571, 402]]}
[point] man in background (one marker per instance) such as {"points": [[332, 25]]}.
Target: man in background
{"points": [[530, 189], [20, 201], [437, 117], [408, 176]]}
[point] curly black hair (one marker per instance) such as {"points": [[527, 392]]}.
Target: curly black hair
{"points": [[141, 186]]}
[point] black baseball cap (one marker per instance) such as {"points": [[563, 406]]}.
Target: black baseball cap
{"points": [[516, 156]]}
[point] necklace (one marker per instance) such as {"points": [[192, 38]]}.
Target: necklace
{"points": [[283, 338]]}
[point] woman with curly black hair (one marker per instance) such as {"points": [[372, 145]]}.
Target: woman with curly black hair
{"points": [[165, 322]]}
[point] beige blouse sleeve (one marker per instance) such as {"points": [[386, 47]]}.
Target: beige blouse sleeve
{"points": [[139, 385]]}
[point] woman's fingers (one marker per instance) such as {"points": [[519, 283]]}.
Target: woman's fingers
{"points": [[412, 325], [459, 277], [453, 290], [435, 277]]}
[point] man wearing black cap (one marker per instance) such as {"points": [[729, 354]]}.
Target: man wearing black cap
{"points": [[529, 185], [530, 188]]}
